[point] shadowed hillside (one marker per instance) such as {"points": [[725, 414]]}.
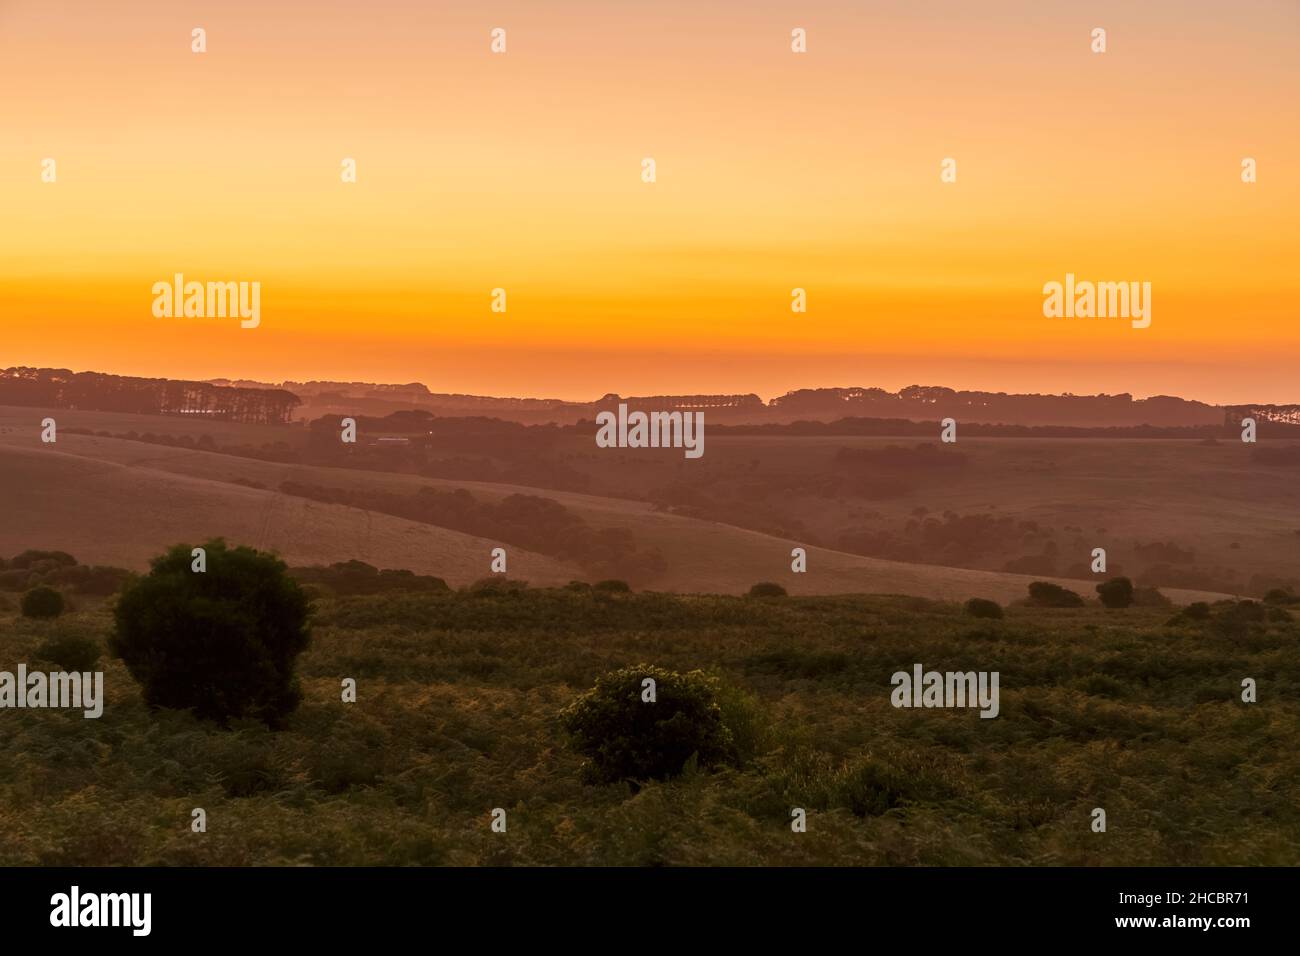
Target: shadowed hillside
{"points": [[131, 496]]}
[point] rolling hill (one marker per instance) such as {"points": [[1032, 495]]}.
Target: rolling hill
{"points": [[114, 501], [107, 512]]}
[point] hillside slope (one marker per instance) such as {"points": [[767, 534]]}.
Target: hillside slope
{"points": [[118, 502], [106, 512]]}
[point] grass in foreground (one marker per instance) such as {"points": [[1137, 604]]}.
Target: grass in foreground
{"points": [[458, 697]]}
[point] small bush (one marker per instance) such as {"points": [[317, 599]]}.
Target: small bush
{"points": [[1045, 594], [42, 602], [71, 651], [1102, 685], [1281, 597], [1116, 593], [221, 642], [1241, 618], [767, 589], [1149, 597], [619, 587], [357, 577], [982, 607], [624, 737], [244, 763], [1197, 611]]}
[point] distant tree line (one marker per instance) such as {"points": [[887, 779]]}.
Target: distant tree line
{"points": [[905, 427], [933, 401], [96, 391]]}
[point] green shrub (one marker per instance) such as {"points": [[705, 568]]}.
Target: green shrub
{"points": [[357, 577], [1045, 594], [1102, 685], [613, 586], [625, 737], [244, 762], [982, 607], [400, 579], [869, 788], [767, 589], [1149, 597], [71, 651], [1240, 618], [1281, 597], [1116, 593], [42, 602], [221, 643]]}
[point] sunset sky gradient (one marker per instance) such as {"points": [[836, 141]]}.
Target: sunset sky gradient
{"points": [[775, 170]]}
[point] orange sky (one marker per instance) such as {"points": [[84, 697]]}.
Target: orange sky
{"points": [[775, 170]]}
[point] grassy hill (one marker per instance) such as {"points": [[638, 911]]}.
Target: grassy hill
{"points": [[130, 497], [119, 513], [456, 714], [1230, 516]]}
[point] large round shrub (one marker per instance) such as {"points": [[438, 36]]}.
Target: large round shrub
{"points": [[42, 602], [220, 642], [1117, 592], [71, 650], [1046, 594], [767, 589], [624, 737], [983, 607]]}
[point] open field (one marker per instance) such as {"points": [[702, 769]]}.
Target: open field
{"points": [[1232, 517], [123, 515], [1191, 515], [456, 714], [113, 501]]}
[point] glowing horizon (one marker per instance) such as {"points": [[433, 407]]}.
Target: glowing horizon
{"points": [[775, 171]]}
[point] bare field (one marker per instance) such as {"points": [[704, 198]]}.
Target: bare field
{"points": [[106, 512], [115, 501], [1218, 504]]}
